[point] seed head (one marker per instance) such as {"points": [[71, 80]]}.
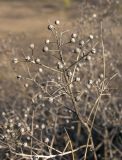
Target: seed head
{"points": [[43, 126], [27, 58], [37, 60], [69, 74], [37, 126], [78, 98], [60, 65], [74, 35], [81, 43], [50, 27], [51, 99], [93, 51], [72, 40], [57, 22], [47, 140], [77, 79], [45, 49], [22, 130], [40, 70], [19, 76], [91, 36], [25, 144], [26, 85], [40, 96], [90, 81], [3, 113], [77, 50], [32, 45], [15, 61], [47, 41]]}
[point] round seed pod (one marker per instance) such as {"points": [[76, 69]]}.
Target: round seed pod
{"points": [[15, 61], [50, 27], [57, 22], [72, 40], [37, 60], [93, 51], [91, 36], [77, 50], [45, 49], [32, 46], [74, 35], [47, 41]]}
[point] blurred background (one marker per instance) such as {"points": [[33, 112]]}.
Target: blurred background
{"points": [[23, 22]]}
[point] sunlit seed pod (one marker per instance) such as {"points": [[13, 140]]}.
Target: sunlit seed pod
{"points": [[78, 98], [15, 61], [19, 76], [33, 61], [37, 60], [25, 115], [77, 50], [89, 58], [72, 127], [47, 41], [67, 121], [19, 124], [60, 66], [77, 69], [91, 36], [13, 135], [88, 86], [27, 58], [72, 40], [59, 78], [26, 85], [40, 96], [43, 105], [11, 125], [69, 74], [71, 85], [32, 45], [40, 70], [3, 113], [74, 35], [17, 118], [101, 76], [99, 80], [28, 128], [46, 140], [93, 51], [25, 144], [5, 126], [28, 109], [77, 79], [51, 99], [28, 138], [22, 130], [50, 27], [8, 131], [36, 126], [90, 81], [81, 43], [7, 154], [45, 49], [43, 126], [57, 22], [94, 15]]}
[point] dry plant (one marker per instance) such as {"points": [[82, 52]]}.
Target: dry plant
{"points": [[59, 123]]}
